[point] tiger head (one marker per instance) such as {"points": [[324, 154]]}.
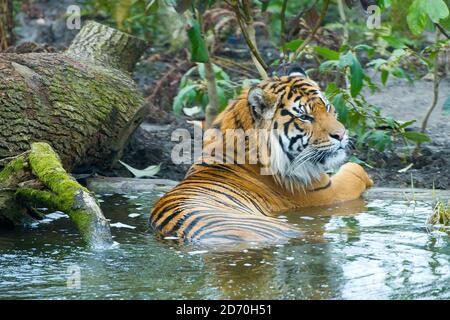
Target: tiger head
{"points": [[306, 138]]}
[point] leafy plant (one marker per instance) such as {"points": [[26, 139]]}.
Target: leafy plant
{"points": [[440, 216], [363, 119], [422, 12], [193, 88], [147, 19]]}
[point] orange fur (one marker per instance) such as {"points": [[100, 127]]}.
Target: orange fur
{"points": [[234, 202]]}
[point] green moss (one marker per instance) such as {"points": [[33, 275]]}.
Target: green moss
{"points": [[65, 194], [37, 198], [46, 165], [8, 174]]}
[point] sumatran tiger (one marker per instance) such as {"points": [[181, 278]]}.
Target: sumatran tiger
{"points": [[232, 201]]}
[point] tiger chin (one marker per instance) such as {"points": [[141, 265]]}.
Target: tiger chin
{"points": [[229, 202]]}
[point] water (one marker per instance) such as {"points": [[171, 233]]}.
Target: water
{"points": [[363, 250]]}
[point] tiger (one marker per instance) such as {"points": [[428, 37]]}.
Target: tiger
{"points": [[228, 202]]}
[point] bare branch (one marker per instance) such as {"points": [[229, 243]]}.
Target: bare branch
{"points": [[443, 31], [283, 25], [436, 82], [314, 31], [246, 24]]}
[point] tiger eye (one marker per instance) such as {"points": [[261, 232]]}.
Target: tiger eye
{"points": [[305, 117]]}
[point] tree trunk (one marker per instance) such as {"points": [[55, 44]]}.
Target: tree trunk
{"points": [[84, 105], [83, 102], [6, 24]]}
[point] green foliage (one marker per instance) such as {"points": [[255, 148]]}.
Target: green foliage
{"points": [[397, 49], [137, 17], [193, 90], [421, 11], [199, 52], [364, 120]]}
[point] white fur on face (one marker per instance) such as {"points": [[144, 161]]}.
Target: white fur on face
{"points": [[303, 170]]}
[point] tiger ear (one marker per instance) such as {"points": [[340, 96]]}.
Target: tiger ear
{"points": [[289, 69], [262, 104]]}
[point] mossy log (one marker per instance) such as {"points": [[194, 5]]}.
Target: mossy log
{"points": [[83, 101], [37, 179], [82, 104]]}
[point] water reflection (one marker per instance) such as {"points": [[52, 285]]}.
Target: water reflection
{"points": [[378, 250], [304, 269]]}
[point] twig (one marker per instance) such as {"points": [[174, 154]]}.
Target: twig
{"points": [[5, 161], [234, 66], [314, 31], [212, 109], [344, 21], [443, 31], [283, 26], [245, 23], [436, 82], [8, 189]]}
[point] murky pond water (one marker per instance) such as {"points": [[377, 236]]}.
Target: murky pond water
{"points": [[363, 250]]}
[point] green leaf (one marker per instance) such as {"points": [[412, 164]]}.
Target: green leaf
{"points": [[391, 122], [341, 107], [293, 45], [219, 73], [384, 77], [147, 172], [222, 98], [264, 5], [357, 76], [199, 52], [187, 93], [407, 124], [416, 18], [327, 53], [384, 4], [331, 90], [380, 139], [416, 136], [346, 60], [152, 7], [394, 42], [355, 159], [328, 65], [420, 10], [435, 9], [370, 50]]}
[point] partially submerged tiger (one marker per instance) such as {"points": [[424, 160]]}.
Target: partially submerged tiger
{"points": [[228, 201]]}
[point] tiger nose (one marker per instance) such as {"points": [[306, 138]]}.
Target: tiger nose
{"points": [[338, 135]]}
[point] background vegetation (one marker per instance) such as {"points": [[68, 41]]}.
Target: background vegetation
{"points": [[330, 38]]}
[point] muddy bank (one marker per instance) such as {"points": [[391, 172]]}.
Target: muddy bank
{"points": [[431, 168]]}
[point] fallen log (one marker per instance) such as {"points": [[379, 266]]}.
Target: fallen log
{"points": [[37, 179], [80, 107], [83, 102]]}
